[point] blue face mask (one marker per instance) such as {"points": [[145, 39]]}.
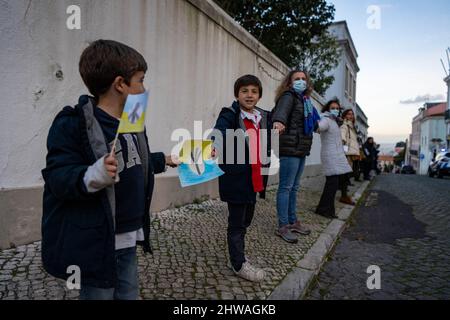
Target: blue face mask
{"points": [[300, 86], [335, 113]]}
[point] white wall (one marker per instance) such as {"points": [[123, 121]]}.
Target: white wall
{"points": [[415, 142], [193, 63], [338, 86], [424, 147], [431, 128], [447, 80], [448, 92], [337, 89], [194, 50]]}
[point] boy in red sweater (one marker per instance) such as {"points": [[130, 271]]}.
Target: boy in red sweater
{"points": [[243, 177]]}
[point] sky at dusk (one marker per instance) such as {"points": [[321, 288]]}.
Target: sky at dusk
{"points": [[400, 61]]}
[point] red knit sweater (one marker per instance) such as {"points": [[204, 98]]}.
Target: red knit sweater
{"points": [[255, 146]]}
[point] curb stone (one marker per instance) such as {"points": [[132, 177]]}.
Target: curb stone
{"points": [[296, 284]]}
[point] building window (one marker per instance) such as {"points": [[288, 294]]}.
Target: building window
{"points": [[347, 80], [350, 85], [350, 88]]}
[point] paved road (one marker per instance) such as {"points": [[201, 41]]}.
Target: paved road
{"points": [[402, 226]]}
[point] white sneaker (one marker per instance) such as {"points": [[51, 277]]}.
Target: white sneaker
{"points": [[230, 266], [250, 273]]}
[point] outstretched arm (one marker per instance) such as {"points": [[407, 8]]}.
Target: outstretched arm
{"points": [[283, 109], [324, 124]]}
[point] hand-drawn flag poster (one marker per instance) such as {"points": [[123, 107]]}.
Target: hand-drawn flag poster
{"points": [[196, 164], [133, 116]]}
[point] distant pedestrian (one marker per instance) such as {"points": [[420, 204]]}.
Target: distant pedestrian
{"points": [[370, 154], [376, 165], [350, 141], [334, 162]]}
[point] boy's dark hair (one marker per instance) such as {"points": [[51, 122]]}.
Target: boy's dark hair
{"points": [[329, 103], [104, 60], [247, 80]]}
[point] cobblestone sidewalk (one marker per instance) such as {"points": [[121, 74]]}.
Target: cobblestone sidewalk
{"points": [[402, 227], [190, 255]]}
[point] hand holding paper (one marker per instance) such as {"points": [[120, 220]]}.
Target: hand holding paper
{"points": [[197, 166], [173, 161]]}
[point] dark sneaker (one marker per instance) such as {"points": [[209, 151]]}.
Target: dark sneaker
{"points": [[329, 216], [347, 200], [286, 234], [299, 228]]}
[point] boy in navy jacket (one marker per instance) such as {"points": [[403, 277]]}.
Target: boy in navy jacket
{"points": [[244, 170], [90, 220]]}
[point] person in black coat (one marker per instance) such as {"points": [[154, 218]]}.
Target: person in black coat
{"points": [[370, 153], [97, 196], [242, 129]]}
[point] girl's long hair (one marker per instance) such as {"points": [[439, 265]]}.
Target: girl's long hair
{"points": [[346, 112], [287, 82], [327, 106]]}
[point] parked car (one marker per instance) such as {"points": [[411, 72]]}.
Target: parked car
{"points": [[408, 170], [440, 167]]}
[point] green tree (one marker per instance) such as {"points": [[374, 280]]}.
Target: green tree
{"points": [[295, 30], [400, 158]]}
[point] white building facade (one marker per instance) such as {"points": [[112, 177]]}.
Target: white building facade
{"points": [[345, 77], [413, 157], [432, 134], [447, 112], [345, 74], [361, 123]]}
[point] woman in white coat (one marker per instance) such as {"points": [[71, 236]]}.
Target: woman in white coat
{"points": [[334, 161]]}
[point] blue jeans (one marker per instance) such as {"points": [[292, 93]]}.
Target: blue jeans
{"points": [[127, 286], [291, 169]]}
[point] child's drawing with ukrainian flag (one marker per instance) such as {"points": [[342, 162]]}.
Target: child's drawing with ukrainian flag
{"points": [[196, 164]]}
